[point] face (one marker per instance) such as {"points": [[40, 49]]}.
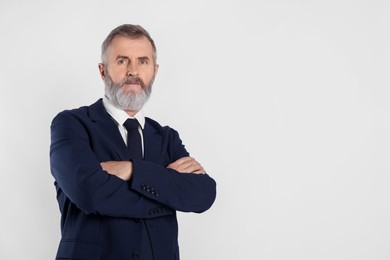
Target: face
{"points": [[129, 72]]}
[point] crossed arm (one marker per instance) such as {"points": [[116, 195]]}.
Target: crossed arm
{"points": [[124, 169], [97, 187]]}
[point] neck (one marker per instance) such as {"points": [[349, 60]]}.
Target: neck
{"points": [[131, 112]]}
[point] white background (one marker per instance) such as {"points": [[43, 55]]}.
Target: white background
{"points": [[285, 103]]}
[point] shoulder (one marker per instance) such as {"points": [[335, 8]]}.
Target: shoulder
{"points": [[69, 115], [156, 126], [78, 114], [167, 132], [169, 138]]}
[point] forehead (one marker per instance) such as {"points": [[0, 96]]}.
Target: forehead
{"points": [[126, 46]]}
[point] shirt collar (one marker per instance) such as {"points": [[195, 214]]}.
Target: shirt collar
{"points": [[120, 116]]}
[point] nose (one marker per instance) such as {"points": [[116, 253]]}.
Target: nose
{"points": [[132, 70]]}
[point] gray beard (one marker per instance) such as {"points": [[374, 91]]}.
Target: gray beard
{"points": [[127, 100]]}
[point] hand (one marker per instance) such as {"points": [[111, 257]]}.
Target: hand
{"points": [[187, 165], [121, 169]]}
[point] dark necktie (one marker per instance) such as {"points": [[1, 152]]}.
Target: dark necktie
{"points": [[133, 138]]}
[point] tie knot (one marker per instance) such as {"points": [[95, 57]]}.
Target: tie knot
{"points": [[131, 124]]}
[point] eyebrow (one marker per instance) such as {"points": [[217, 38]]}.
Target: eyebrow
{"points": [[143, 58], [125, 57], [122, 57]]}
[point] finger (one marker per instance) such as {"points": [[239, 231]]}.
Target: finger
{"points": [[190, 163], [183, 160], [199, 172], [181, 163], [193, 167]]}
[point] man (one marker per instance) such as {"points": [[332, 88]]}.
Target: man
{"points": [[119, 187]]}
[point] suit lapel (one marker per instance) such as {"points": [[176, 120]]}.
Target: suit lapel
{"points": [[106, 124], [152, 139], [152, 144]]}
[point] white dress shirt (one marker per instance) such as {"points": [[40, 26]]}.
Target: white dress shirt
{"points": [[120, 116]]}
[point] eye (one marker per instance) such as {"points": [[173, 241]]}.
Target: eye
{"points": [[143, 61], [122, 61]]}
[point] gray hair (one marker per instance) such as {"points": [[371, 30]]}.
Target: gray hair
{"points": [[127, 30]]}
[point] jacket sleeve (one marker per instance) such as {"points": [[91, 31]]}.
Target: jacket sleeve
{"points": [[180, 191], [185, 192], [79, 175]]}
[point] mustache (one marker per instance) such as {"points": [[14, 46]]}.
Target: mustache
{"points": [[132, 79]]}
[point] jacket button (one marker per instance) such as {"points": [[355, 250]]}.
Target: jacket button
{"points": [[135, 255]]}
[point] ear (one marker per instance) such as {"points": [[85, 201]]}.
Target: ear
{"points": [[156, 66], [101, 70]]}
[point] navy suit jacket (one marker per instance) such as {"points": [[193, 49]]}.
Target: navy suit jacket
{"points": [[104, 217]]}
